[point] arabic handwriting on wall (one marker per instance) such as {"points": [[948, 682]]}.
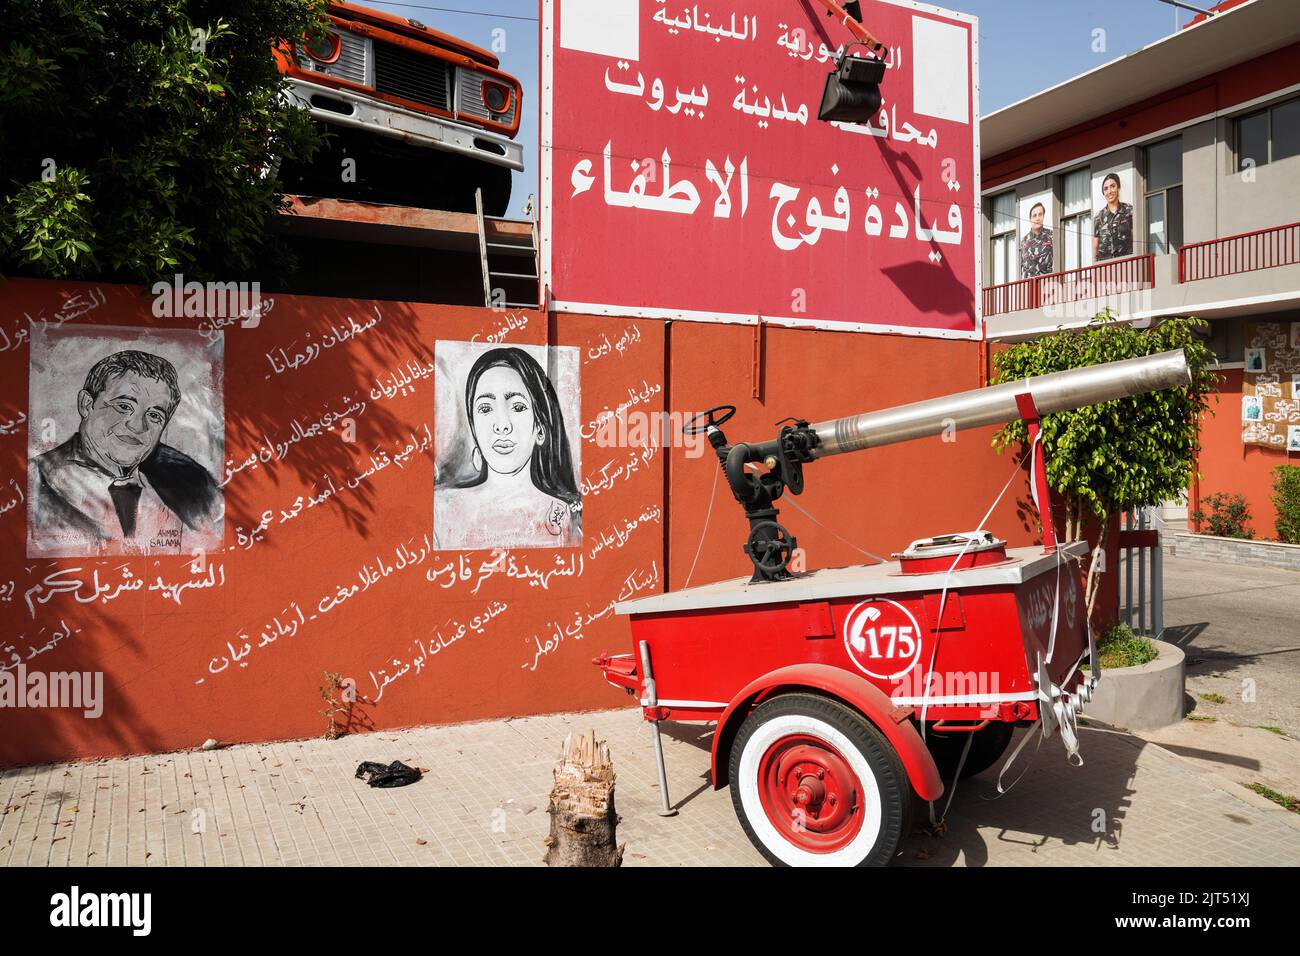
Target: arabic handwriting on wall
{"points": [[462, 569], [73, 307], [379, 459], [12, 501], [290, 358], [46, 639], [610, 473], [606, 346], [636, 582], [90, 589], [513, 322], [409, 554], [444, 636], [620, 533], [213, 326], [10, 426], [635, 396]]}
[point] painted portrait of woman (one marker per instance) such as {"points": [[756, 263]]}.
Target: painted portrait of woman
{"points": [[511, 480]]}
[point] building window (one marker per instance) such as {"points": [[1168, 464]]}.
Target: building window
{"points": [[1227, 340], [1164, 196], [1268, 135], [1003, 266], [1076, 220]]}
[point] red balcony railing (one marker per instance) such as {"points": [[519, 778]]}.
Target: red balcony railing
{"points": [[1261, 249], [1090, 282]]}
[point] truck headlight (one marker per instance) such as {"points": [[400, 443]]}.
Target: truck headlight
{"points": [[496, 97], [324, 48]]}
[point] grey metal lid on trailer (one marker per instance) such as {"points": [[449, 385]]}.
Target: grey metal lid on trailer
{"points": [[860, 580]]}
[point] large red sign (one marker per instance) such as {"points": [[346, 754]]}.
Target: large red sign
{"points": [[685, 173]]}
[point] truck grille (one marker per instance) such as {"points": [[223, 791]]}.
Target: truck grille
{"points": [[351, 65], [471, 100], [412, 76]]}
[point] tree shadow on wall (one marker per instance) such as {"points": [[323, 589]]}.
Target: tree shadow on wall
{"points": [[125, 634], [335, 382]]}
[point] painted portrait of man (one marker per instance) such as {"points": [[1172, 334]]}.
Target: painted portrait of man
{"points": [[116, 485]]}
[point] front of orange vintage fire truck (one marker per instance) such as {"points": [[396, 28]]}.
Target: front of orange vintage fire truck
{"points": [[426, 118]]}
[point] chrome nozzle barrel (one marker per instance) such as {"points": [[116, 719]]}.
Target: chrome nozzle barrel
{"points": [[996, 404]]}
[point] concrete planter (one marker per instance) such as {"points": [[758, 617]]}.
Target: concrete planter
{"points": [[1143, 697], [1260, 554]]}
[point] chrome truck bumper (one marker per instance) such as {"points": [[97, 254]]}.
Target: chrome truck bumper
{"points": [[345, 108]]}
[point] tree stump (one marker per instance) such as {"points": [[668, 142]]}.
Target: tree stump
{"points": [[583, 821]]}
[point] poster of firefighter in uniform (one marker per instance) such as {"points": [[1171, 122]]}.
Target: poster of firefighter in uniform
{"points": [[1036, 246]]}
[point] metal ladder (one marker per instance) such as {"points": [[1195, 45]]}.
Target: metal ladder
{"points": [[517, 257]]}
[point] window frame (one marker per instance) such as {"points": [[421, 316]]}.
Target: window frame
{"points": [[1265, 111], [1076, 238], [998, 240], [1172, 243]]}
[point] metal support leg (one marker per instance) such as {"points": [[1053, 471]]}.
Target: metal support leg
{"points": [[652, 700]]}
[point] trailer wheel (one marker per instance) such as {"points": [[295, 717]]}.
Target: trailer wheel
{"points": [[986, 747], [815, 784]]}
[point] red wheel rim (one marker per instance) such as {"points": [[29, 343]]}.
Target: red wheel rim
{"points": [[810, 794]]}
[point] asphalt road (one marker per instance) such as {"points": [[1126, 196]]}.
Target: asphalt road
{"points": [[1240, 629]]}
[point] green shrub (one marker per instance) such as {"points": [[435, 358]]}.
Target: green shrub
{"points": [[1120, 647], [1228, 517], [1286, 499]]}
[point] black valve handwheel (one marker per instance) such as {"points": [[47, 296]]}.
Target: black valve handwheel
{"points": [[711, 419], [770, 547]]}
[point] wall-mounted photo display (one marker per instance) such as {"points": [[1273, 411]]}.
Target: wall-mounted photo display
{"points": [[1293, 438], [1295, 335], [126, 433], [1270, 386], [1035, 223], [1112, 213], [507, 446]]}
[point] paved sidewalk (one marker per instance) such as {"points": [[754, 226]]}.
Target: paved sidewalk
{"points": [[484, 803]]}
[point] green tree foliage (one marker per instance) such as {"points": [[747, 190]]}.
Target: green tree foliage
{"points": [[139, 137], [1115, 456], [1286, 499]]}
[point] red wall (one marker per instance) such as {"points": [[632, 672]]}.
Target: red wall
{"points": [[1230, 466], [156, 656]]}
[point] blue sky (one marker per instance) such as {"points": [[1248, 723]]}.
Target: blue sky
{"points": [[1025, 45]]}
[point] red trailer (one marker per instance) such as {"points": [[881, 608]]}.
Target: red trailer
{"points": [[841, 693]]}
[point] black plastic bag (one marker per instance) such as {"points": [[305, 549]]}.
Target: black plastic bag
{"points": [[396, 774]]}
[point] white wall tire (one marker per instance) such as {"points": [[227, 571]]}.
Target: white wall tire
{"points": [[813, 783]]}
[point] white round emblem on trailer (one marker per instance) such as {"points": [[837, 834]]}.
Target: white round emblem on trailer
{"points": [[882, 638]]}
